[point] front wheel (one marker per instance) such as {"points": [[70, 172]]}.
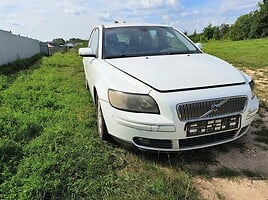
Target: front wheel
{"points": [[101, 126]]}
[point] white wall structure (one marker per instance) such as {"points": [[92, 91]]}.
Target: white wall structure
{"points": [[13, 47]]}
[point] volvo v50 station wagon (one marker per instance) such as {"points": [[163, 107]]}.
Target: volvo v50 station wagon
{"points": [[155, 89]]}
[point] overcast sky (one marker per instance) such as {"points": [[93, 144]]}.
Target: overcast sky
{"points": [[49, 19]]}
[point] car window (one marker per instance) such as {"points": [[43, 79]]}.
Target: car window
{"points": [[94, 41], [144, 41]]}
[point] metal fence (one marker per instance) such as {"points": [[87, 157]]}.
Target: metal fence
{"points": [[14, 47], [48, 49]]}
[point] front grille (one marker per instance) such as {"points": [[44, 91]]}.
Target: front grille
{"points": [[205, 140], [211, 108]]}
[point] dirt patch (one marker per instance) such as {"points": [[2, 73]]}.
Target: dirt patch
{"points": [[246, 154], [243, 156], [245, 159], [260, 77], [235, 189]]}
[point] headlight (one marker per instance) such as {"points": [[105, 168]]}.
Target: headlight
{"points": [[252, 86], [140, 103]]}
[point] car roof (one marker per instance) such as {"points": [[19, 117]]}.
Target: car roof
{"points": [[117, 25]]}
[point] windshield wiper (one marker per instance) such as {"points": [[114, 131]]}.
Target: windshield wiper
{"points": [[174, 52], [124, 56], [150, 54], [117, 56]]}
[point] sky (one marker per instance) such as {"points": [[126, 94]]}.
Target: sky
{"points": [[46, 20]]}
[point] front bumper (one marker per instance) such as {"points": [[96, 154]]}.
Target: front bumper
{"points": [[165, 132]]}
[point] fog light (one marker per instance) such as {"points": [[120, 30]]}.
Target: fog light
{"points": [[217, 128], [153, 143], [194, 125], [144, 141], [193, 130], [232, 124]]}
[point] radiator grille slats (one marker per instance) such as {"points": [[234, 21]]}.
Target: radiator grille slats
{"points": [[211, 108]]}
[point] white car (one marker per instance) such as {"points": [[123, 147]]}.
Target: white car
{"points": [[155, 89]]}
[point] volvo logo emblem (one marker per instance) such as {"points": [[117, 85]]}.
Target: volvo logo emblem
{"points": [[215, 107]]}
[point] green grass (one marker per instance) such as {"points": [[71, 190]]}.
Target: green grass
{"points": [[253, 175], [19, 65], [49, 146], [247, 53], [226, 172]]}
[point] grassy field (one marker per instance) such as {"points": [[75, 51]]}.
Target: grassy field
{"points": [[49, 147], [247, 53]]}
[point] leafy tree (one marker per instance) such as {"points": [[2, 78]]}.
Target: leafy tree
{"points": [[195, 37], [224, 29], [255, 28], [208, 32], [252, 25], [75, 40], [216, 33], [241, 28], [263, 18], [59, 41]]}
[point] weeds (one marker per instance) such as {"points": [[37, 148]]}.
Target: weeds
{"points": [[252, 174], [226, 172], [19, 65], [50, 149]]}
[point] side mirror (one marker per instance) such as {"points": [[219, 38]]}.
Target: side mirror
{"points": [[199, 45], [86, 52]]}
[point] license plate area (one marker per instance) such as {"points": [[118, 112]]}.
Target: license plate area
{"points": [[212, 126]]}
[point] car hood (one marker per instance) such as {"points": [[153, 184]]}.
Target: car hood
{"points": [[179, 72]]}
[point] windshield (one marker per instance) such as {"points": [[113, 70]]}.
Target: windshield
{"points": [[145, 41]]}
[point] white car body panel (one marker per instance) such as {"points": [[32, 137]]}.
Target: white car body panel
{"points": [[181, 71], [170, 80]]}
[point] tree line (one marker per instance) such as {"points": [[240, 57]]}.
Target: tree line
{"points": [[250, 26], [61, 41]]}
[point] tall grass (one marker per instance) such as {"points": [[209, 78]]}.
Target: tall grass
{"points": [[18, 65], [50, 149]]}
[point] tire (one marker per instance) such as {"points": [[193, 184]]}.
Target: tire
{"points": [[101, 125]]}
